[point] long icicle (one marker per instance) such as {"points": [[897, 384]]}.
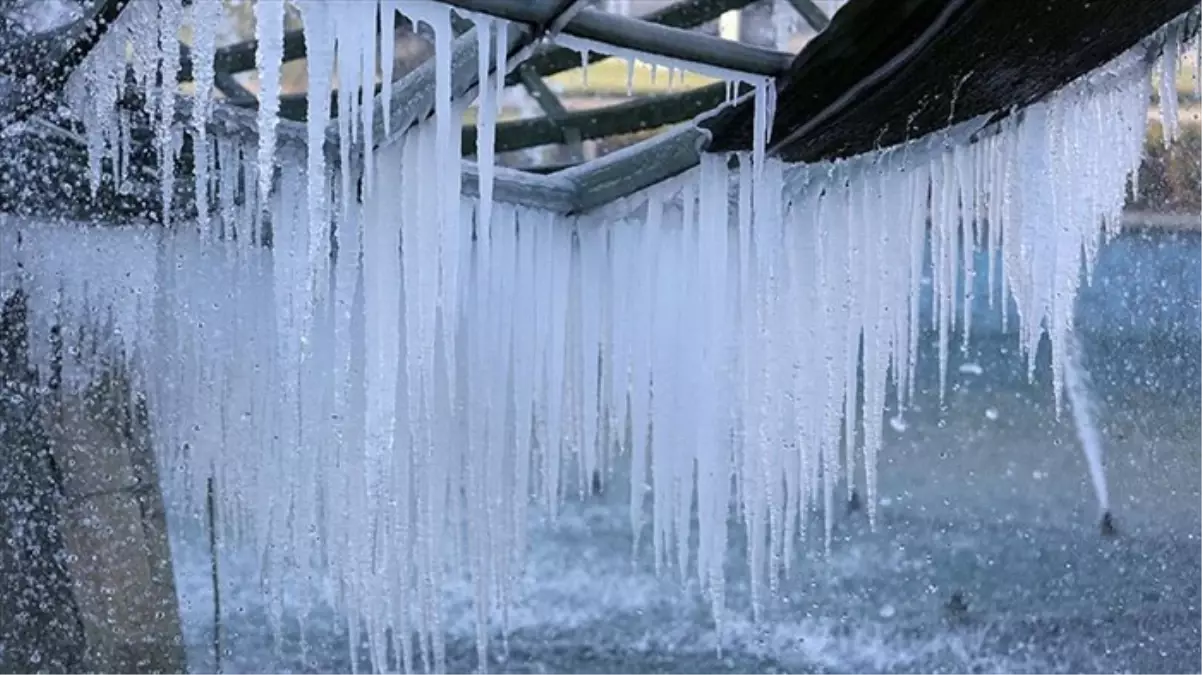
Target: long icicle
{"points": [[773, 330], [269, 56]]}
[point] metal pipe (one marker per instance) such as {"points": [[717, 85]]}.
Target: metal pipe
{"points": [[644, 36], [551, 192], [640, 166], [551, 59], [812, 14]]}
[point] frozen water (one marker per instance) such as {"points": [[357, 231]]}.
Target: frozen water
{"points": [[43, 15], [1007, 545], [379, 429]]}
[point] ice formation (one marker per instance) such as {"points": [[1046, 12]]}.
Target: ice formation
{"points": [[381, 391]]}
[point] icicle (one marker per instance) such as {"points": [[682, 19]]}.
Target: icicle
{"points": [[381, 281], [446, 154], [388, 15], [592, 250], [1169, 56], [320, 51], [400, 424], [269, 57], [366, 86], [347, 27], [641, 372], [205, 16], [170, 15], [1198, 64], [486, 111]]}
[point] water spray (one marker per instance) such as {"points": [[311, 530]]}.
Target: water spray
{"points": [[1076, 384]]}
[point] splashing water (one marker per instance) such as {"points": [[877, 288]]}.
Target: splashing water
{"points": [[1076, 382], [380, 412]]}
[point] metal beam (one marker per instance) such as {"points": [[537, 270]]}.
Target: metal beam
{"points": [[639, 166], [812, 13], [411, 102], [677, 43], [224, 81], [561, 126], [563, 12], [413, 94], [296, 106], [623, 118], [240, 56], [646, 37], [64, 49], [554, 110], [577, 189], [626, 171], [554, 113], [685, 14], [554, 193], [520, 42], [233, 90]]}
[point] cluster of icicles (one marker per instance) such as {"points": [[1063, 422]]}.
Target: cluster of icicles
{"points": [[381, 392]]}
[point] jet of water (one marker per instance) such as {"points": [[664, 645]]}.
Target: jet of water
{"points": [[1076, 381]]}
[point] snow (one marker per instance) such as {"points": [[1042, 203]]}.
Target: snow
{"points": [[380, 412]]}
